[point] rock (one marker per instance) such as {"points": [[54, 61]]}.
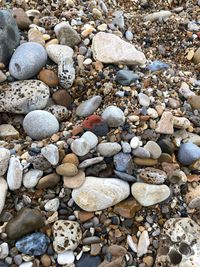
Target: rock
{"points": [[71, 158], [185, 90], [34, 244], [88, 260], [66, 72], [123, 52], [40, 124], [124, 176], [23, 96], [3, 192], [165, 124], [145, 161], [196, 57], [157, 65], [90, 138], [148, 194], [100, 193], [52, 204], [126, 77], [123, 162], [152, 176], [108, 149], [126, 148], [60, 112], [62, 98], [74, 181], [143, 244], [39, 162], [194, 101], [66, 258], [51, 153], [67, 169], [57, 52], [48, 181], [127, 208], [141, 152], [95, 249], [114, 116], [95, 124], [179, 243], [188, 153], [143, 100], [9, 36], [192, 197], [160, 15], [89, 162], [89, 106], [3, 77], [45, 260], [115, 257], [35, 36], [4, 250], [21, 18], [31, 178], [27, 60], [135, 142], [181, 122], [80, 147], [154, 149], [4, 160], [7, 131], [131, 243], [177, 177], [49, 77], [67, 235], [14, 174], [26, 221]]}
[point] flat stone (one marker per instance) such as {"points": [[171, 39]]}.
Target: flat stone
{"points": [[89, 162], [66, 72], [152, 176], [100, 193], [141, 152], [80, 147], [4, 160], [157, 65], [71, 158], [48, 181], [148, 194], [188, 153], [127, 208], [165, 124], [108, 149], [40, 124], [89, 106], [51, 153], [52, 204], [113, 116], [7, 131], [3, 192], [154, 149], [57, 52], [124, 176], [31, 178], [67, 169], [14, 174], [145, 161], [84, 216], [123, 52], [160, 15], [74, 181]]}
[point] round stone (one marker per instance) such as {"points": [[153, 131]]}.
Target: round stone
{"points": [[108, 149], [62, 98], [31, 178], [67, 169], [80, 147], [71, 158], [66, 258], [90, 138], [75, 181], [154, 149], [49, 77], [114, 116], [135, 142], [188, 153]]}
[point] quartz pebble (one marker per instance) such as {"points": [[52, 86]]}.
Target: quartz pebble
{"points": [[51, 153], [89, 162], [90, 138], [143, 244], [52, 204], [14, 174], [114, 116], [66, 258], [80, 147], [3, 193]]}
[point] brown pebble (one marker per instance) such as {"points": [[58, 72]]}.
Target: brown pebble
{"points": [[49, 77], [194, 101], [71, 158], [74, 181], [145, 162], [67, 169], [127, 208], [148, 260], [77, 130], [21, 18], [45, 260], [95, 249], [48, 181], [61, 97], [85, 216]]}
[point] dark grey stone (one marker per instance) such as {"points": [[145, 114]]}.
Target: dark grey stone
{"points": [[126, 77]]}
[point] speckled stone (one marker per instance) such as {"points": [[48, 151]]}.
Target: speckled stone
{"points": [[89, 106], [152, 176], [66, 72], [60, 112]]}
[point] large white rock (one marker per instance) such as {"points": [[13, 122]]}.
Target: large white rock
{"points": [[100, 193], [114, 116], [3, 192], [109, 48], [14, 175], [108, 149], [4, 160]]}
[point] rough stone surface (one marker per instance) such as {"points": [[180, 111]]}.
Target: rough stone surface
{"points": [[165, 124], [89, 106], [66, 34], [152, 176], [66, 72], [14, 174], [60, 112], [57, 52], [114, 116], [7, 131], [4, 160], [127, 208], [163, 14]]}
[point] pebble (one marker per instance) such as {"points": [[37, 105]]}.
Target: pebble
{"points": [[14, 174], [40, 124], [52, 205], [67, 169], [66, 258], [7, 131], [181, 122], [66, 72], [131, 244], [100, 193], [129, 35], [57, 52], [154, 149], [123, 52], [144, 100], [135, 142], [27, 60], [3, 193], [20, 98], [3, 77], [88, 260], [113, 116], [48, 181], [35, 36], [59, 112], [157, 65], [165, 124], [160, 15], [126, 77], [71, 158], [49, 77], [21, 18], [141, 152], [143, 244], [124, 176], [188, 153], [153, 193], [4, 250], [89, 162], [4, 160], [62, 98], [177, 177], [194, 101], [34, 244], [80, 147], [31, 178], [108, 149], [123, 162], [152, 176], [126, 148], [89, 106], [196, 57], [67, 235], [127, 208], [115, 254], [74, 181], [90, 138], [51, 153]]}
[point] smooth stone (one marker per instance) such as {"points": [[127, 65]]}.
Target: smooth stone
{"points": [[108, 149], [165, 124], [62, 98], [88, 260], [14, 174], [160, 15], [27, 60], [196, 57], [48, 181], [181, 122], [144, 100], [4, 250], [35, 36], [90, 138], [51, 153], [115, 257], [89, 162], [126, 77], [124, 176], [60, 112], [145, 161], [49, 77], [3, 192], [129, 35], [148, 194], [89, 106], [7, 131], [4, 160], [123, 162], [74, 181], [26, 264], [34, 244], [154, 149], [40, 124], [152, 176], [80, 147], [157, 65], [66, 72], [135, 142], [100, 193], [26, 221], [52, 204], [67, 235], [123, 52], [67, 169], [57, 52], [127, 208], [23, 96], [91, 240], [141, 152], [114, 116], [188, 153], [66, 258], [143, 243], [126, 148], [21, 18], [31, 178], [71, 158], [194, 101], [9, 36]]}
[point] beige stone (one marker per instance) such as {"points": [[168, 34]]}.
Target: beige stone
{"points": [[74, 181], [165, 124]]}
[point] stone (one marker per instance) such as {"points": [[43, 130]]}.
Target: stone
{"points": [[74, 181], [126, 77], [152, 176], [52, 204], [143, 100], [114, 116], [51, 153], [48, 181], [194, 101], [95, 124], [14, 174], [181, 122], [9, 36], [89, 162], [154, 149], [71, 158], [46, 260], [62, 98], [34, 244], [143, 244], [84, 216], [7, 131], [39, 162], [188, 153], [27, 60], [100, 193], [95, 249], [123, 162], [67, 235], [3, 77], [124, 176], [141, 152], [108, 149], [179, 243], [80, 147], [3, 192], [177, 177], [185, 90], [66, 72], [160, 15], [115, 257], [31, 178], [35, 36], [4, 250], [127, 208], [88, 260], [57, 52], [4, 160], [23, 96], [157, 65], [90, 138], [145, 161], [89, 106], [192, 197], [123, 52], [165, 124], [196, 57], [26, 221], [39, 124], [21, 18], [126, 148], [49, 77], [59, 112], [66, 258], [67, 169], [135, 142], [131, 243], [148, 194]]}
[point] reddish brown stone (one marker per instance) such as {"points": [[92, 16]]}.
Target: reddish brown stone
{"points": [[127, 208], [49, 77], [77, 130], [85, 216], [61, 97]]}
